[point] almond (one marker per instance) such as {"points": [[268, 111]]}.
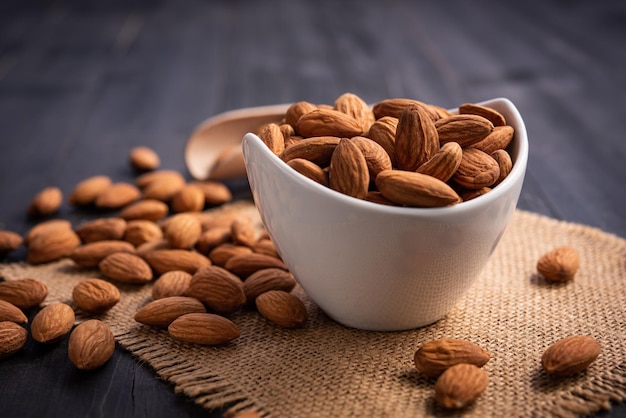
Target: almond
{"points": [[147, 209], [488, 113], [90, 255], [215, 193], [117, 195], [244, 265], [470, 194], [103, 229], [318, 150], [265, 280], [47, 227], [570, 355], [150, 246], [91, 345], [460, 385], [52, 323], [167, 260], [144, 180], [444, 163], [95, 295], [222, 253], [349, 173], [377, 197], [559, 264], [51, 245], [287, 130], [266, 246], [243, 232], [499, 138], [477, 170], [23, 293], [190, 198], [395, 107], [87, 191], [434, 357], [354, 106], [10, 312], [376, 157], [296, 110], [383, 132], [172, 283], [417, 139], [464, 129], [46, 202], [203, 328], [415, 189], [144, 159], [282, 308], [9, 241], [141, 231], [504, 162], [220, 290], [212, 238], [183, 231], [162, 312], [325, 122], [309, 169], [273, 138], [12, 338], [162, 186], [125, 268]]}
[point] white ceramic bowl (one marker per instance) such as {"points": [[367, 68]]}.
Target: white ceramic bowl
{"points": [[377, 267]]}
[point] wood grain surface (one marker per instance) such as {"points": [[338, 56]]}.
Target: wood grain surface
{"points": [[82, 82]]}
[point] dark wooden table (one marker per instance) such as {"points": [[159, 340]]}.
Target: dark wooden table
{"points": [[82, 82]]}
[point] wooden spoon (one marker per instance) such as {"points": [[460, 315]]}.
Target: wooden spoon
{"points": [[213, 151]]}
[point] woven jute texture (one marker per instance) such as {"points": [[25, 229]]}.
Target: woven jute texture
{"points": [[328, 370]]}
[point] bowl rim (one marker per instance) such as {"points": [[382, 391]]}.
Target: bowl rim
{"points": [[518, 170]]}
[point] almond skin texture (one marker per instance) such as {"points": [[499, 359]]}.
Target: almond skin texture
{"points": [[46, 202], [499, 138], [282, 308], [464, 129], [477, 170], [95, 295], [376, 157], [395, 107], [318, 150], [504, 162], [188, 199], [570, 355], [296, 110], [460, 385], [160, 313], [167, 260], [349, 173], [126, 268], [265, 280], [415, 189], [203, 328], [23, 293], [140, 231], [213, 237], [383, 132], [221, 291], [104, 229], [47, 227], [444, 163], [91, 345], [162, 186], [172, 283], [10, 312], [12, 338], [242, 232], [273, 138], [147, 209], [560, 264], [434, 357], [244, 265], [9, 241], [488, 113], [222, 253], [417, 139], [323, 122], [353, 105], [51, 245], [215, 193], [309, 169], [87, 191], [144, 159], [183, 231], [117, 195], [52, 323], [90, 255]]}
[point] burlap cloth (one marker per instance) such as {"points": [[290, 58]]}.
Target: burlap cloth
{"points": [[327, 370]]}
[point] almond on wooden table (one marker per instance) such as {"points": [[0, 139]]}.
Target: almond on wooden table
{"points": [[47, 227], [23, 293], [87, 191], [51, 245], [144, 158], [95, 295], [10, 312], [46, 202], [160, 185], [13, 338], [203, 328], [243, 232], [117, 195], [91, 345], [9, 241], [146, 209], [52, 323]]}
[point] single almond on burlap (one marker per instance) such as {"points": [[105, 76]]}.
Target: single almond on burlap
{"points": [[23, 293], [570, 355], [95, 295], [144, 159], [215, 193], [383, 132], [464, 129], [488, 113], [91, 254], [243, 265], [162, 185], [87, 191], [52, 323], [265, 280], [175, 259], [376, 157], [103, 229], [213, 237], [46, 202], [118, 195], [146, 209], [348, 172], [141, 231], [266, 246], [162, 312], [47, 227], [126, 268], [172, 283], [203, 328], [415, 189], [10, 312], [325, 122], [51, 245], [243, 232], [315, 149], [282, 308], [296, 110], [559, 264], [9, 241], [91, 345], [417, 139], [220, 290], [353, 105], [188, 199], [499, 138], [504, 162], [460, 385], [444, 163], [309, 169], [477, 170], [273, 138], [13, 338], [435, 356], [224, 252], [183, 231], [395, 107]]}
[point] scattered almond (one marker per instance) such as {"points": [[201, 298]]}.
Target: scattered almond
{"points": [[87, 191], [144, 158], [90, 255], [190, 198], [265, 280], [102, 229], [560, 264], [9, 241], [12, 338], [434, 357], [91, 345], [162, 312], [146, 209], [282, 308], [23, 293], [224, 252], [47, 227], [460, 385], [117, 195], [141, 231], [203, 328], [183, 231], [95, 295], [126, 268], [220, 290], [172, 283], [167, 260], [215, 193], [10, 312], [243, 232], [570, 355], [52, 323], [46, 202], [51, 245], [243, 265]]}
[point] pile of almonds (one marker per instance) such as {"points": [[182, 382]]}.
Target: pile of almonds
{"points": [[400, 152]]}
